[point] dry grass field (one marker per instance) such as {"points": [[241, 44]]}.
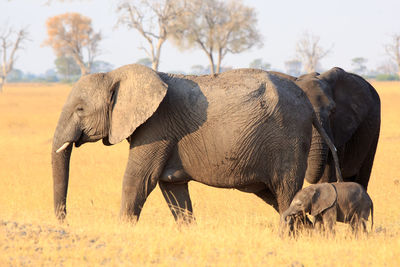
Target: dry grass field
{"points": [[233, 228]]}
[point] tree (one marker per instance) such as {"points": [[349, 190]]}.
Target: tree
{"points": [[393, 51], [10, 42], [153, 19], [310, 52], [217, 28], [67, 67], [358, 64], [15, 75], [72, 35], [258, 63], [50, 76], [293, 67]]}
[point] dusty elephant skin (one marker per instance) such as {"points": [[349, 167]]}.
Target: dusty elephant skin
{"points": [[346, 202], [244, 129], [349, 109]]}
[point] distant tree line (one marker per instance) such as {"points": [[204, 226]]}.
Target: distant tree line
{"points": [[216, 27], [66, 70]]}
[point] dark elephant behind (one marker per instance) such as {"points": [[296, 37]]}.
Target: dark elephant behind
{"points": [[349, 109], [245, 129]]}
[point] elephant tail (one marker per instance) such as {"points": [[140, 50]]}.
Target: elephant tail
{"points": [[372, 215], [331, 146]]}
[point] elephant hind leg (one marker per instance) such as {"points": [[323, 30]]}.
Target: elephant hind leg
{"points": [[279, 202], [366, 167], [268, 197], [364, 225], [284, 197], [356, 223], [178, 200]]}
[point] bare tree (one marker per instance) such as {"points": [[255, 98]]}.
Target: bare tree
{"points": [[71, 34], [10, 42], [153, 19], [217, 28], [393, 50], [310, 51]]}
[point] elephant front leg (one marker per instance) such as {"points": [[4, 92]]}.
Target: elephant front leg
{"points": [[319, 224], [145, 165], [135, 191], [178, 200], [329, 218], [143, 171]]}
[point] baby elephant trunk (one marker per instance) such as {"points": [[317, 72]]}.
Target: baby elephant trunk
{"points": [[287, 218]]}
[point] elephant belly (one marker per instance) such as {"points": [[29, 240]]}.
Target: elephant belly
{"points": [[213, 157]]}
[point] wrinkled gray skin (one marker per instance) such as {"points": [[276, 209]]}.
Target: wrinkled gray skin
{"points": [[346, 202], [348, 108], [244, 129]]}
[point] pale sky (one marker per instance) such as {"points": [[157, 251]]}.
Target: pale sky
{"points": [[355, 28]]}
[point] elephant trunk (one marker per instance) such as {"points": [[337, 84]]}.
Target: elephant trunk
{"points": [[284, 216], [286, 219], [60, 159], [60, 164], [317, 156]]}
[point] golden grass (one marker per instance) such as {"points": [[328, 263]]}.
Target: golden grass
{"points": [[233, 228]]}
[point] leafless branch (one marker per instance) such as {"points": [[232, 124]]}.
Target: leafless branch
{"points": [[310, 51], [8, 57], [153, 19], [393, 50]]}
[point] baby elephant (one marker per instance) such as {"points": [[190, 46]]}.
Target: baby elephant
{"points": [[346, 202]]}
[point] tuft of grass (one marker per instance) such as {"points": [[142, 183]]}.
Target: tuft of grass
{"points": [[232, 228]]}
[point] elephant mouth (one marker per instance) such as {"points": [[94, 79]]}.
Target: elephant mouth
{"points": [[78, 143], [83, 138], [106, 141], [294, 215]]}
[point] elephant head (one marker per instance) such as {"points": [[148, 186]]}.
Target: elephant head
{"points": [[107, 106], [319, 94], [313, 199], [339, 101]]}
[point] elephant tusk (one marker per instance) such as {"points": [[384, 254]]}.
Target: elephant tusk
{"points": [[64, 146]]}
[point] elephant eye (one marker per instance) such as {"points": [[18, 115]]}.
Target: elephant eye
{"points": [[79, 109]]}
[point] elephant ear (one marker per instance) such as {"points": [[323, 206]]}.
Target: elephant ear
{"points": [[136, 94], [325, 197], [351, 95]]}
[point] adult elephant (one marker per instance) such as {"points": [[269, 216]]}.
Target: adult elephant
{"points": [[348, 107], [244, 129]]}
